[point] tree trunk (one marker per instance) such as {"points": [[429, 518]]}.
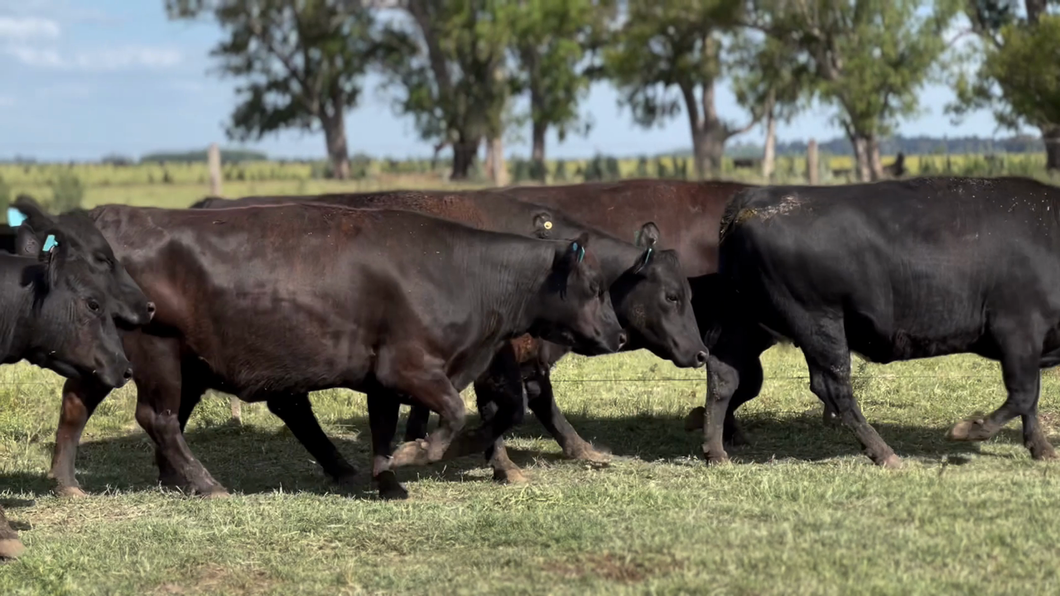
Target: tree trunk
{"points": [[463, 158], [861, 157], [335, 137], [500, 168], [537, 151], [769, 153], [875, 164], [812, 163], [487, 166], [1051, 138]]}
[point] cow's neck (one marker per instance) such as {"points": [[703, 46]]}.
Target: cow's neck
{"points": [[616, 257], [521, 273], [15, 302]]}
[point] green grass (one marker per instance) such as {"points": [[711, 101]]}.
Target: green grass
{"points": [[798, 512]]}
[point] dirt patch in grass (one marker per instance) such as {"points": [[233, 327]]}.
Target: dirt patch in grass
{"points": [[626, 569], [217, 579]]}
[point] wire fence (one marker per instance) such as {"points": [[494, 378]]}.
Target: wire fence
{"points": [[700, 379]]}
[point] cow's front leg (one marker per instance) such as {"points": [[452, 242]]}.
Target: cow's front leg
{"points": [[157, 366], [542, 402], [79, 402]]}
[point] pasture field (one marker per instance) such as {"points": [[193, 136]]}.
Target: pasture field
{"points": [[799, 511]]}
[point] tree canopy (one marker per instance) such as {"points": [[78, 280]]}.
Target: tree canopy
{"points": [[300, 64]]}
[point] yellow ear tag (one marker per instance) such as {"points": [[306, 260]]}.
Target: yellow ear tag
{"points": [[548, 225]]}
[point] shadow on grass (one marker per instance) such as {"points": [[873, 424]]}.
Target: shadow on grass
{"points": [[249, 459]]}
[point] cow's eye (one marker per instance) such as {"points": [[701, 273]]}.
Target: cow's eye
{"points": [[93, 305], [672, 298]]}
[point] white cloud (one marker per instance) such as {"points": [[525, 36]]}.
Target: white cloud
{"points": [[35, 57], [22, 28], [120, 58]]}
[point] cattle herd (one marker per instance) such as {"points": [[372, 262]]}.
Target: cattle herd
{"points": [[411, 296]]}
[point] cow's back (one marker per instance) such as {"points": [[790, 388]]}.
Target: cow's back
{"points": [[686, 213]]}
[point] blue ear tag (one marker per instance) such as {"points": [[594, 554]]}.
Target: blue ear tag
{"points": [[15, 217], [50, 243], [647, 255], [581, 253]]}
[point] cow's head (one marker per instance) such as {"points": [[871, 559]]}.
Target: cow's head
{"points": [[653, 302], [575, 307], [130, 306], [70, 327]]}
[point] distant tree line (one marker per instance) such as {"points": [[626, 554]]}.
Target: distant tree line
{"points": [[456, 67]]}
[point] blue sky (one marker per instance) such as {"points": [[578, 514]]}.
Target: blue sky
{"points": [[83, 78]]}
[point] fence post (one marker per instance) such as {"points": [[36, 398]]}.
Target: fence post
{"points": [[812, 169], [213, 162]]}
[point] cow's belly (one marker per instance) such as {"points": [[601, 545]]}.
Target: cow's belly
{"points": [[293, 346]]}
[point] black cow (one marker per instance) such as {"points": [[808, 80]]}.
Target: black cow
{"points": [[897, 271], [271, 303], [131, 307], [56, 313], [651, 297]]}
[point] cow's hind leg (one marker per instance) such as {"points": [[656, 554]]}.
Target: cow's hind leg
{"points": [[10, 546], [297, 413], [502, 405], [828, 358], [425, 381], [383, 408], [79, 401], [1019, 368]]}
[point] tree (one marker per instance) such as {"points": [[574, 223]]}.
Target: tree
{"points": [[868, 58], [301, 63], [448, 57], [771, 78], [668, 55], [552, 42], [1018, 73]]}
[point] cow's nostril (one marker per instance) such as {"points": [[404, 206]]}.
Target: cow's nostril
{"points": [[128, 374], [151, 308], [622, 339], [701, 357]]}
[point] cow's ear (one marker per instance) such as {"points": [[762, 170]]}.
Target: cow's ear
{"points": [[33, 211], [543, 224], [26, 242], [53, 255], [577, 248], [647, 236]]}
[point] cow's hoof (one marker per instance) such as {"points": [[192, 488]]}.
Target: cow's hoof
{"points": [[716, 460], [592, 456], [70, 492], [891, 462], [389, 487], [829, 418], [736, 438], [968, 430], [510, 477], [347, 480], [217, 492], [1043, 453], [413, 453], [695, 419], [11, 548]]}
